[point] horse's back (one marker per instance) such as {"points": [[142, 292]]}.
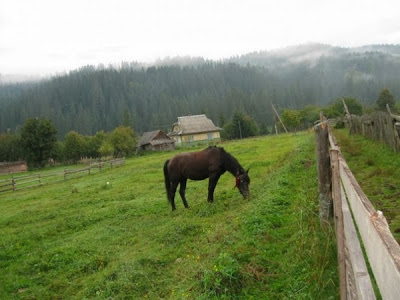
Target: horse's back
{"points": [[193, 165]]}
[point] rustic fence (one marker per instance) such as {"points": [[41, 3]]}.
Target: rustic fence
{"points": [[381, 126], [342, 198], [16, 183]]}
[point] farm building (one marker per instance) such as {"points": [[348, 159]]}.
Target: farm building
{"points": [[194, 129], [13, 167], [156, 141]]}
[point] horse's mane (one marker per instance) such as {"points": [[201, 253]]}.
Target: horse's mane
{"points": [[230, 162]]}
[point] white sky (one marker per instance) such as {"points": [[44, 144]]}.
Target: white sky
{"points": [[49, 36]]}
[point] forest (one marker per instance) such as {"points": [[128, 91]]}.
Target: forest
{"points": [[146, 98]]}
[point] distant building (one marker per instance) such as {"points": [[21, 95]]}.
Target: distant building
{"points": [[194, 129], [155, 141], [13, 167]]}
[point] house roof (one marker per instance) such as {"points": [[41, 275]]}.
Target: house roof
{"points": [[148, 138], [194, 124]]}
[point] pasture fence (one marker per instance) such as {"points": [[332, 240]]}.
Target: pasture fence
{"points": [[342, 199], [16, 183], [381, 126]]}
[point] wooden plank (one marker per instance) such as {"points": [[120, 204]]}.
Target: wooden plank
{"points": [[382, 249], [51, 174], [26, 177], [77, 171], [5, 180], [19, 182], [10, 189], [7, 184], [339, 226], [359, 271], [97, 165]]}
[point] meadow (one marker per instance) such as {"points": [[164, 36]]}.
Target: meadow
{"points": [[375, 167], [112, 234]]}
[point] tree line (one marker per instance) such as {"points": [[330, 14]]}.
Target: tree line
{"points": [[36, 141], [91, 98]]}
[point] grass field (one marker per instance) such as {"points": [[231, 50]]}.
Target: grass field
{"points": [[375, 167], [84, 238]]}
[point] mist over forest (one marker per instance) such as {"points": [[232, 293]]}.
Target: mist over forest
{"points": [[147, 98]]}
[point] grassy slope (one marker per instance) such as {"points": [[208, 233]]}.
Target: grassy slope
{"points": [[376, 168], [122, 240]]}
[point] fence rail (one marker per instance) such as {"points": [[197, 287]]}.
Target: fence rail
{"points": [[351, 208], [381, 126], [16, 183]]}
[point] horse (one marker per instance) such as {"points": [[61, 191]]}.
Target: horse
{"points": [[210, 163]]}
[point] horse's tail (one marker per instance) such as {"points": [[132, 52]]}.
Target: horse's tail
{"points": [[167, 182]]}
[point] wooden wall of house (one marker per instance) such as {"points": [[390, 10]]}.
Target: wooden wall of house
{"points": [[200, 137], [13, 167]]}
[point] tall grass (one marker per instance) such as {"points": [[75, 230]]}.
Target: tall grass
{"points": [[375, 167], [84, 238]]}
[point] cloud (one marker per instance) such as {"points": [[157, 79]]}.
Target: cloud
{"points": [[44, 34]]}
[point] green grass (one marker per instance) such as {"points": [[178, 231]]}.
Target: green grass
{"points": [[84, 239], [375, 167]]}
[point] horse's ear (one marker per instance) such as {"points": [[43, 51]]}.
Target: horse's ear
{"points": [[248, 170]]}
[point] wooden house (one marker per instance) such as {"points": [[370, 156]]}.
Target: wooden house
{"points": [[155, 141], [195, 129], [13, 167]]}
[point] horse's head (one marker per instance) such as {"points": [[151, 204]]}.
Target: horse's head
{"points": [[242, 182]]}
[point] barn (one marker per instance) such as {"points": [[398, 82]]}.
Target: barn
{"points": [[195, 129], [13, 167], [155, 141]]}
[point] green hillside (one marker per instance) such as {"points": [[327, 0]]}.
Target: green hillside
{"points": [[84, 238]]}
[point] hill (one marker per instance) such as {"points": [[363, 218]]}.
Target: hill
{"points": [[84, 238], [152, 97]]}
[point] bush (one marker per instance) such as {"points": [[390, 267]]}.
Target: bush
{"points": [[224, 278]]}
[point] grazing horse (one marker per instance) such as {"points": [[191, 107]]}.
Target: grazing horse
{"points": [[210, 163]]}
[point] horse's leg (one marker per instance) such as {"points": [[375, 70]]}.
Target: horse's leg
{"points": [[174, 186], [182, 189], [212, 182]]}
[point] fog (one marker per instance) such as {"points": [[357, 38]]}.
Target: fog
{"points": [[46, 37]]}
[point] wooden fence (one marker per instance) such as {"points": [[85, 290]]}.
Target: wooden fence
{"points": [[381, 126], [20, 183], [16, 183], [352, 209]]}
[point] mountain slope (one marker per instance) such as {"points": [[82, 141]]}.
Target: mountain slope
{"points": [[149, 98]]}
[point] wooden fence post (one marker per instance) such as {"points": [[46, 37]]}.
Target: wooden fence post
{"points": [[339, 223], [324, 173], [348, 115], [13, 183]]}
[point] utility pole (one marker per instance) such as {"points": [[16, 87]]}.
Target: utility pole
{"points": [[348, 115], [276, 113]]}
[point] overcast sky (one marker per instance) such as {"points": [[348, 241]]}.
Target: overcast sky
{"points": [[50, 36]]}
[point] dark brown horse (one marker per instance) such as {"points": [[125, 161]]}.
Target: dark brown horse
{"points": [[210, 163]]}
